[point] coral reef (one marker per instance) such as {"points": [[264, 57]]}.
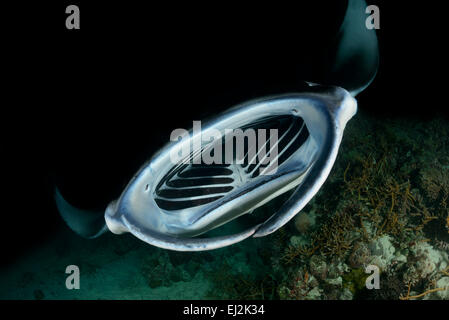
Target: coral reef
{"points": [[385, 204], [303, 222]]}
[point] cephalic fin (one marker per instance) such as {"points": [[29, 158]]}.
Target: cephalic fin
{"points": [[88, 224]]}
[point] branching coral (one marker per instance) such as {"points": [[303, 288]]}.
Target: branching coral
{"points": [[409, 297], [435, 181], [387, 203], [302, 286], [386, 200], [332, 239], [335, 238], [293, 252], [382, 203], [385, 184]]}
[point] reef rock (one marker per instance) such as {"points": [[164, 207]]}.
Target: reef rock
{"points": [[424, 261], [318, 267], [382, 251]]}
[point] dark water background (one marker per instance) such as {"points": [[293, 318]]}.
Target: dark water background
{"points": [[89, 108]]}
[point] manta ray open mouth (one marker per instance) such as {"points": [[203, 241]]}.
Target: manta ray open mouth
{"points": [[190, 185]]}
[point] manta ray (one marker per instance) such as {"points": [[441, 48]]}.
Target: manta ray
{"points": [[169, 205]]}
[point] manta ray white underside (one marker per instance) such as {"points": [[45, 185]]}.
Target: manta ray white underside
{"points": [[168, 205]]}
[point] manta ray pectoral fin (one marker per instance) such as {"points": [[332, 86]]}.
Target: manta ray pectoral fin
{"points": [[187, 244], [88, 224]]}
